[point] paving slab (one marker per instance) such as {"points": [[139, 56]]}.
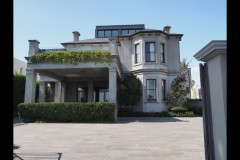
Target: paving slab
{"points": [[139, 138]]}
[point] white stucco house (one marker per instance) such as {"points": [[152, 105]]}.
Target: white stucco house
{"points": [[153, 55], [19, 66], [213, 87]]}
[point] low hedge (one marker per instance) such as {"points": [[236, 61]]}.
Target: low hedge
{"points": [[179, 109], [143, 114], [184, 114], [67, 112]]}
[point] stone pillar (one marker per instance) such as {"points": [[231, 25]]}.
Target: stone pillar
{"points": [[30, 86], [57, 96], [33, 47], [113, 88], [90, 91], [42, 92], [63, 90]]}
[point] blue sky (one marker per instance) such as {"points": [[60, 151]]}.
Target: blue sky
{"points": [[51, 22]]}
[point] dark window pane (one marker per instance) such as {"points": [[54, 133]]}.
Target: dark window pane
{"points": [[150, 52], [137, 53], [131, 31], [151, 89], [114, 33], [163, 90], [138, 30], [162, 53], [100, 33], [124, 32], [107, 33]]}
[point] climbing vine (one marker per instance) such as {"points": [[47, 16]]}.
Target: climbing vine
{"points": [[72, 57]]}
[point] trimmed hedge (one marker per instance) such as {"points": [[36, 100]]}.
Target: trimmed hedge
{"points": [[67, 112], [179, 109], [18, 90], [71, 56], [184, 114]]}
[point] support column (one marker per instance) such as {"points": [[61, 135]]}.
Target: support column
{"points": [[113, 88], [63, 88], [42, 92], [57, 96], [90, 91], [30, 86]]}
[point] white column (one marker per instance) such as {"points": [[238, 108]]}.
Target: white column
{"points": [[90, 91], [57, 96], [42, 92], [113, 88], [63, 86], [30, 86]]}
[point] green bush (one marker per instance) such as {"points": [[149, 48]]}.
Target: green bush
{"points": [[179, 109], [129, 113], [18, 90], [184, 114], [196, 110], [71, 56], [67, 112]]}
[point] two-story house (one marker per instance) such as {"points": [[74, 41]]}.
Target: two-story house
{"points": [[152, 55]]}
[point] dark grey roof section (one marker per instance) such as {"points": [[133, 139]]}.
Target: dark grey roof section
{"points": [[151, 31], [134, 26], [89, 41]]}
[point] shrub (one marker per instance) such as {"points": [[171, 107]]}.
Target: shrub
{"points": [[179, 114], [196, 110], [67, 112], [18, 90], [71, 56], [179, 109]]}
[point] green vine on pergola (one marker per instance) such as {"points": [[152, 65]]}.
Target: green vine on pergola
{"points": [[72, 57]]}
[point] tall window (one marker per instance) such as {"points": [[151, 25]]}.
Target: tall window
{"points": [[115, 33], [150, 52], [81, 95], [151, 89], [162, 53], [100, 33], [137, 53], [163, 90]]}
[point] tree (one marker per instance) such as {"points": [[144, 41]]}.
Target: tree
{"points": [[177, 92], [130, 90], [184, 64]]}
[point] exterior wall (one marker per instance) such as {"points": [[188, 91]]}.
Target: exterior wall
{"points": [[126, 55], [158, 105], [217, 83], [173, 53], [19, 66], [79, 47]]}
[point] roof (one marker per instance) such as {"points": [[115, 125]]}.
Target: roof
{"points": [[89, 41], [212, 49], [152, 31]]}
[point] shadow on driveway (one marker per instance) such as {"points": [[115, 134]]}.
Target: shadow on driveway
{"points": [[122, 120]]}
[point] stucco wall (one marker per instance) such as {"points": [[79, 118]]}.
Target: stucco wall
{"points": [[19, 66], [173, 53], [79, 47], [217, 83]]}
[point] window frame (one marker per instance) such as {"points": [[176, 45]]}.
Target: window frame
{"points": [[150, 52], [163, 54], [164, 86], [136, 54], [155, 90]]}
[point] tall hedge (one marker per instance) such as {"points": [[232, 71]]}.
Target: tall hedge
{"points": [[67, 112], [18, 90]]}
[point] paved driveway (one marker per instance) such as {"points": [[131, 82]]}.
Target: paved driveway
{"points": [[129, 139]]}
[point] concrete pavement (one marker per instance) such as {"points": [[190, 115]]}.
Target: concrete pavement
{"points": [[129, 139]]}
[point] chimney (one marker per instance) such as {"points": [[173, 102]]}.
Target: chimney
{"points": [[33, 47], [166, 29], [76, 35]]}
